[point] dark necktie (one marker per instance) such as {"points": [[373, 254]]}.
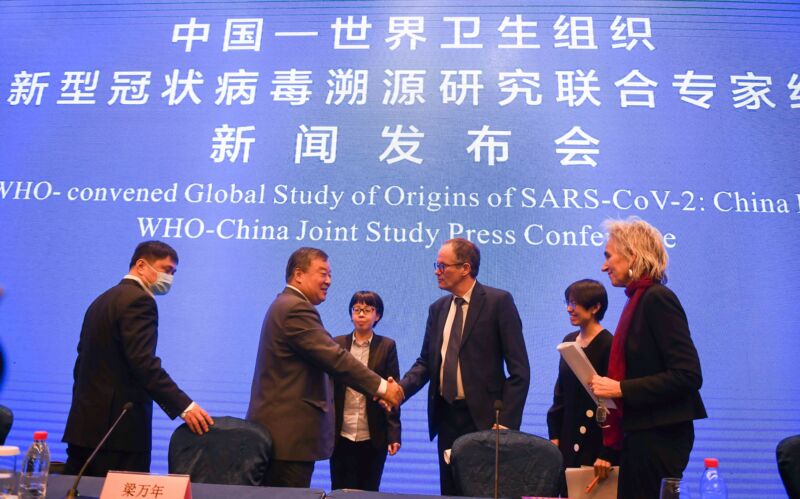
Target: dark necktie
{"points": [[450, 377]]}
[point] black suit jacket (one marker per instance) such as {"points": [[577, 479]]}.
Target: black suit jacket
{"points": [[292, 393], [384, 428], [492, 340], [117, 363], [662, 368]]}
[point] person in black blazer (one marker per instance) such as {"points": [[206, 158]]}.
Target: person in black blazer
{"points": [[117, 364], [654, 370], [364, 431], [571, 420], [468, 375]]}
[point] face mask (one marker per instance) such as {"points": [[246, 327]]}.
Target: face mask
{"points": [[162, 283]]}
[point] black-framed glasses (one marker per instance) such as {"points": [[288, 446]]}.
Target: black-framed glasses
{"points": [[441, 267], [363, 310]]}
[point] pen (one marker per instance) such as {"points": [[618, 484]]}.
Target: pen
{"points": [[591, 485]]}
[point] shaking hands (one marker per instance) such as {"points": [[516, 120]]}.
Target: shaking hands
{"points": [[393, 397]]}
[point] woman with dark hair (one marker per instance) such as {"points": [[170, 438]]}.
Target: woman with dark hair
{"points": [[571, 421], [364, 431], [653, 369]]}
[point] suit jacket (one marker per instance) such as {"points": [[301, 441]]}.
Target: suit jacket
{"points": [[292, 394], [117, 363], [383, 428], [492, 337], [662, 369]]}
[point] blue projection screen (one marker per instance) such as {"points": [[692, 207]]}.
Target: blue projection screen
{"points": [[376, 130]]}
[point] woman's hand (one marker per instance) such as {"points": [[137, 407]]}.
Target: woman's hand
{"points": [[602, 468], [606, 388]]}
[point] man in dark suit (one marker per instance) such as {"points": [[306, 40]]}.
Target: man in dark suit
{"points": [[364, 431], [470, 336], [117, 364], [292, 393]]}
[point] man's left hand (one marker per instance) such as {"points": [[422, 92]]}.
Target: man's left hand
{"points": [[197, 419]]}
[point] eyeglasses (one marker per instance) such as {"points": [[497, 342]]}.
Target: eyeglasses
{"points": [[364, 310], [441, 267]]}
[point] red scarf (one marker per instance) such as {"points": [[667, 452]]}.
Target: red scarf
{"points": [[612, 432]]}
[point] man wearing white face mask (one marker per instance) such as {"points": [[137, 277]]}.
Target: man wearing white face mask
{"points": [[117, 364]]}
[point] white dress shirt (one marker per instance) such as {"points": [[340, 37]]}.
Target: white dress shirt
{"points": [[354, 414]]}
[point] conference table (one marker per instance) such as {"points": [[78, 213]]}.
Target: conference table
{"points": [[58, 485]]}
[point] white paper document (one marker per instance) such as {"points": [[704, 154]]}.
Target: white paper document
{"points": [[577, 360]]}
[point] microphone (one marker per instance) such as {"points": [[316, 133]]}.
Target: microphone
{"points": [[498, 406], [73, 492]]}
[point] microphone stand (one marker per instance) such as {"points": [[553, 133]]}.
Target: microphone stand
{"points": [[73, 492], [498, 406]]}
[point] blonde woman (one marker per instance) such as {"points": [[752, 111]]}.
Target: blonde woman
{"points": [[653, 370]]}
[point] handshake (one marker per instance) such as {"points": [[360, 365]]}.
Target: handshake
{"points": [[393, 397]]}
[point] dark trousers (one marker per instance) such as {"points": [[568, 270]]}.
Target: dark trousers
{"points": [[650, 455], [454, 421], [290, 474], [105, 461], [356, 465]]}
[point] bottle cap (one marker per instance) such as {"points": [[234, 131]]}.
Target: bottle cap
{"points": [[40, 435], [711, 462], [9, 450]]}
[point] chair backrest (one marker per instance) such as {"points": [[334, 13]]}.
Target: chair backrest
{"points": [[529, 465], [6, 420], [233, 452], [788, 454]]}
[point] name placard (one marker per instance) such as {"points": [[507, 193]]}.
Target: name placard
{"points": [[121, 484]]}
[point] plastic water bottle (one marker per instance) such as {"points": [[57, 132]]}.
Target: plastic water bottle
{"points": [[35, 467], [712, 486]]}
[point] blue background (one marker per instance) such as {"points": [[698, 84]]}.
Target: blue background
{"points": [[736, 273]]}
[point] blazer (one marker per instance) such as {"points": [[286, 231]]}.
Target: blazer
{"points": [[292, 394], [384, 428], [491, 341], [571, 418], [662, 368], [116, 364]]}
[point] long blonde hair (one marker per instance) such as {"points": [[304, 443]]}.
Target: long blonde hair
{"points": [[641, 242]]}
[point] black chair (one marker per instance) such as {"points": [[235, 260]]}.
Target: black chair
{"points": [[788, 454], [6, 420], [529, 465], [233, 452]]}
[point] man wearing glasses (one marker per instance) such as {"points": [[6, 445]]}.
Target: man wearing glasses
{"points": [[469, 336]]}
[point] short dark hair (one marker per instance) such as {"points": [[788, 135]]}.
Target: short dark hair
{"points": [[152, 251], [301, 259], [588, 293], [466, 252], [370, 298]]}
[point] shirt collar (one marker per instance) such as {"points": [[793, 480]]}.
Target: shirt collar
{"points": [[365, 343], [141, 283], [468, 295], [301, 293]]}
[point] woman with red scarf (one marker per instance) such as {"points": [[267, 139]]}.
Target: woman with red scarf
{"points": [[653, 371]]}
